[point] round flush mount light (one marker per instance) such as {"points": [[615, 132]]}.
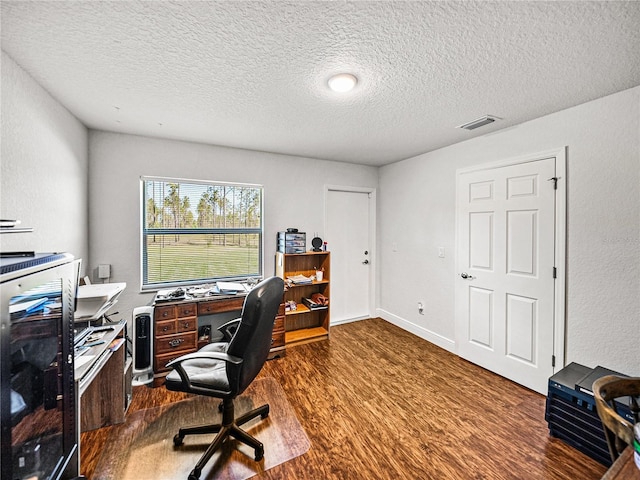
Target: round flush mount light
{"points": [[343, 82]]}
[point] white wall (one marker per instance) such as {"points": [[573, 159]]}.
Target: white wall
{"points": [[44, 168], [417, 213], [293, 194]]}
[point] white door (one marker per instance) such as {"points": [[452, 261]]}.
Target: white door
{"points": [[348, 239], [505, 285]]}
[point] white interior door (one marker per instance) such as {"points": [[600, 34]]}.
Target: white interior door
{"points": [[505, 285], [348, 236]]}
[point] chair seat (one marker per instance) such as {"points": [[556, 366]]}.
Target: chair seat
{"points": [[206, 373]]}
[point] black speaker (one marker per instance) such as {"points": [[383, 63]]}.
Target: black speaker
{"points": [[142, 345]]}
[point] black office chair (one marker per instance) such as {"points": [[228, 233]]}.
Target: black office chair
{"points": [[225, 370]]}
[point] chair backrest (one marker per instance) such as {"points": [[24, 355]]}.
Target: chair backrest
{"points": [[617, 430], [252, 339]]}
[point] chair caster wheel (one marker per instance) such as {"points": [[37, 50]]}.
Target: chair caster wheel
{"points": [[259, 454], [195, 474], [177, 440]]}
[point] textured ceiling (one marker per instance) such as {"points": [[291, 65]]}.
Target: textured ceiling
{"points": [[253, 74]]}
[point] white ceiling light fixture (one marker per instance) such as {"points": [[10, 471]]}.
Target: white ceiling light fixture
{"points": [[342, 82]]}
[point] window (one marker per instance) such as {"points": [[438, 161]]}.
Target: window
{"points": [[199, 232]]}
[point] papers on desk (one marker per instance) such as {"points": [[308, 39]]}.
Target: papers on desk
{"points": [[230, 288], [82, 360], [203, 291]]}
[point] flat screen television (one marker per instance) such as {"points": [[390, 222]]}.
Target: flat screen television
{"points": [[39, 428]]}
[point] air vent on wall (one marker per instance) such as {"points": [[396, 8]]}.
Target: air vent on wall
{"points": [[479, 122]]}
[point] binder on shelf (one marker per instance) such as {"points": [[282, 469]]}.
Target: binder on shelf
{"points": [[313, 305]]}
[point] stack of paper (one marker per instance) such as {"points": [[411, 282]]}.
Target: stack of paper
{"points": [[231, 288], [300, 279]]}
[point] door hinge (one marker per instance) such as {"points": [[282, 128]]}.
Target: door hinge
{"points": [[555, 182], [555, 272], [553, 360]]}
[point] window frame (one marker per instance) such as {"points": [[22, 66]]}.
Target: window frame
{"points": [[145, 232]]}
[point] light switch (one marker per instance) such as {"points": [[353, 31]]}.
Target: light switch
{"points": [[441, 252]]}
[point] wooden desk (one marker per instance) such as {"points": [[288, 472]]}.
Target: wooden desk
{"points": [[103, 383], [175, 327], [624, 468]]}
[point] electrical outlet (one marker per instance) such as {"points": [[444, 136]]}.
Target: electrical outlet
{"points": [[441, 252], [420, 308]]}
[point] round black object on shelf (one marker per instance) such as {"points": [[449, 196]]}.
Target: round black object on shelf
{"points": [[316, 243]]}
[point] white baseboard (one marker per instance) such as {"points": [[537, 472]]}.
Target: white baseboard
{"points": [[421, 332], [333, 323]]}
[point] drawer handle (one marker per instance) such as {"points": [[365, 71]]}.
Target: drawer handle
{"points": [[185, 324], [175, 342], [165, 314], [165, 328]]}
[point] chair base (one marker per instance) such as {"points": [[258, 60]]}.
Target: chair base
{"points": [[230, 427]]}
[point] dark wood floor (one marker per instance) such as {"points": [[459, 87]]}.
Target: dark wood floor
{"points": [[380, 403]]}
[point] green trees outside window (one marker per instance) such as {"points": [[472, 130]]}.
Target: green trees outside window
{"points": [[199, 232]]}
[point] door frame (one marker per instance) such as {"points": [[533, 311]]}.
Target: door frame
{"points": [[560, 243], [372, 192]]}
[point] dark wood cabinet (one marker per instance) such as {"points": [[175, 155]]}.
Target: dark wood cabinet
{"points": [[175, 334], [176, 329]]}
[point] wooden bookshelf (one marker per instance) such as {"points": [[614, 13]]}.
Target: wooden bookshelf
{"points": [[305, 325]]}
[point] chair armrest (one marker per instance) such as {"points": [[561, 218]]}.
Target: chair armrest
{"points": [[176, 363], [228, 329]]}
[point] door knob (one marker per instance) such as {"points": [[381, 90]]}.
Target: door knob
{"points": [[366, 262], [466, 276]]}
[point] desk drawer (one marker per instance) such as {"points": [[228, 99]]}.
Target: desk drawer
{"points": [[165, 312], [216, 306], [187, 310], [187, 324], [162, 360], [166, 327], [180, 341]]}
